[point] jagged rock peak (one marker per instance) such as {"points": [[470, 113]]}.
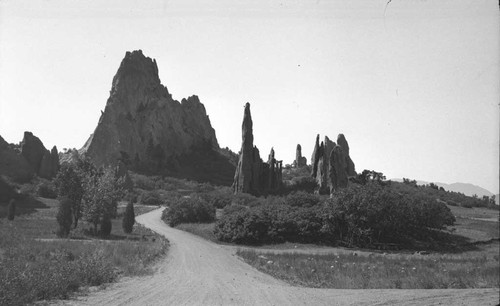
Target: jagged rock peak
{"points": [[137, 67], [252, 175], [147, 129]]}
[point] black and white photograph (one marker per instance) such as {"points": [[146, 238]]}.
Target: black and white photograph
{"points": [[230, 152]]}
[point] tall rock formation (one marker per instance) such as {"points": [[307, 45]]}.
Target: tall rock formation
{"points": [[43, 162], [32, 150], [252, 175], [143, 126], [50, 164], [13, 164], [342, 142], [337, 169], [300, 161], [322, 168]]}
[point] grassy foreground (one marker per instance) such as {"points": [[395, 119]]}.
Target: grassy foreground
{"points": [[35, 265], [350, 271]]}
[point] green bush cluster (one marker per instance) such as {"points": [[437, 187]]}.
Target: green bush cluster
{"points": [[189, 210], [150, 198], [356, 216]]}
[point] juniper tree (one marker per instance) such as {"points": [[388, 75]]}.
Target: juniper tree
{"points": [[128, 218]]}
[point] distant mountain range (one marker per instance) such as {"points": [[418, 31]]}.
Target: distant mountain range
{"points": [[465, 188]]}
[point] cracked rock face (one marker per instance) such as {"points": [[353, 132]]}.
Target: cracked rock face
{"points": [[143, 126]]}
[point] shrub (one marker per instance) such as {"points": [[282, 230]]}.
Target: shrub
{"points": [[150, 198], [106, 227], [356, 216], [189, 210], [302, 199], [128, 218], [270, 224], [46, 190], [11, 210], [230, 209], [302, 183], [64, 217], [69, 184], [217, 198], [245, 199]]}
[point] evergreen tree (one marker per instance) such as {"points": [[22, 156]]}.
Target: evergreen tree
{"points": [[64, 217], [128, 218]]}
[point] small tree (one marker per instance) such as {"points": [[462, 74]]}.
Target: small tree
{"points": [[64, 217], [69, 185], [11, 210], [101, 195], [128, 218]]}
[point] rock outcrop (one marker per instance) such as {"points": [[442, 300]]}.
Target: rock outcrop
{"points": [[43, 162], [337, 169], [50, 164], [325, 166], [152, 133], [252, 175], [13, 164], [300, 161], [342, 142], [32, 149]]}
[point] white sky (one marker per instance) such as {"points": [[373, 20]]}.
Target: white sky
{"points": [[415, 89]]}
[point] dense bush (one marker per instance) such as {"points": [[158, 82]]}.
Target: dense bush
{"points": [[270, 224], [302, 183], [245, 199], [218, 199], [189, 210], [46, 190], [302, 199], [150, 198], [355, 216], [64, 217]]}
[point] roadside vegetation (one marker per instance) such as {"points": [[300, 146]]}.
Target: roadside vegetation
{"points": [[77, 231], [381, 271]]}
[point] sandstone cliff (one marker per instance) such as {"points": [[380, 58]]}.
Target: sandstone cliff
{"points": [[152, 133]]}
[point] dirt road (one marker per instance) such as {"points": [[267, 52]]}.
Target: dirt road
{"points": [[198, 272]]}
